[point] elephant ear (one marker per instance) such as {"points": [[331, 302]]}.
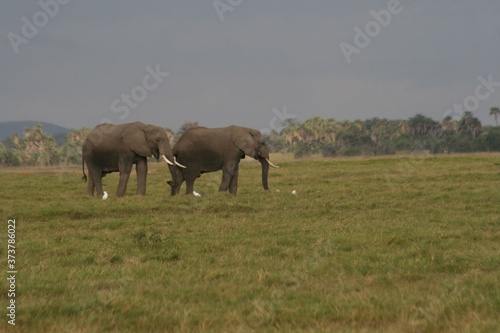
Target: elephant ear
{"points": [[245, 141], [134, 138]]}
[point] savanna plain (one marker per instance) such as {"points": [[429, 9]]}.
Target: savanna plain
{"points": [[379, 244]]}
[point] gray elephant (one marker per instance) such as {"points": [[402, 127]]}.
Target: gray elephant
{"points": [[111, 148], [203, 149]]}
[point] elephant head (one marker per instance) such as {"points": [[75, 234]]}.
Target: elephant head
{"points": [[251, 143], [149, 140]]}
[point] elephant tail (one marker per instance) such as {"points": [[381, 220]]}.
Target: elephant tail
{"points": [[84, 178]]}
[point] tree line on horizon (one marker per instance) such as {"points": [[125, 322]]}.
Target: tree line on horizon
{"points": [[316, 135]]}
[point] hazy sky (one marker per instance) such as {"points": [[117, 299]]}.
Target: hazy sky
{"points": [[229, 62]]}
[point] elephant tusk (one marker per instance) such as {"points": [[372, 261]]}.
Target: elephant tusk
{"points": [[178, 164], [274, 166], [166, 160]]}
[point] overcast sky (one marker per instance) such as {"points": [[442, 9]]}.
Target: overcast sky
{"points": [[229, 62]]}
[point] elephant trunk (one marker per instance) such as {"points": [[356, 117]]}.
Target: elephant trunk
{"points": [[265, 172]]}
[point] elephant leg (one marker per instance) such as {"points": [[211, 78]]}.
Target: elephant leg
{"points": [[224, 184], [190, 185], [90, 185], [95, 181], [124, 175], [142, 172], [233, 184], [228, 171]]}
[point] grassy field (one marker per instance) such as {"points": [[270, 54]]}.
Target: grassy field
{"points": [[392, 244]]}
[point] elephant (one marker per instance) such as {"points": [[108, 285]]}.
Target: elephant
{"points": [[203, 149], [110, 148]]}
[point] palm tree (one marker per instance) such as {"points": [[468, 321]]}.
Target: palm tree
{"points": [[319, 129], [186, 125], [290, 131], [379, 130], [170, 136], [3, 153], [449, 124], [40, 148], [495, 111], [469, 124], [403, 127], [330, 128], [421, 126], [71, 151]]}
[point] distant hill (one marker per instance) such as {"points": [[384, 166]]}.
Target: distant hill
{"points": [[10, 127]]}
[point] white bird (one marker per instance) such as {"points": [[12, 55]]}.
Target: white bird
{"points": [[105, 195], [294, 192], [196, 194]]}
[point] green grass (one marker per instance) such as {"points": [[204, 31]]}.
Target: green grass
{"points": [[394, 244]]}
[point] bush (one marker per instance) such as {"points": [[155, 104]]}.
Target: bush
{"points": [[492, 138], [328, 150]]}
